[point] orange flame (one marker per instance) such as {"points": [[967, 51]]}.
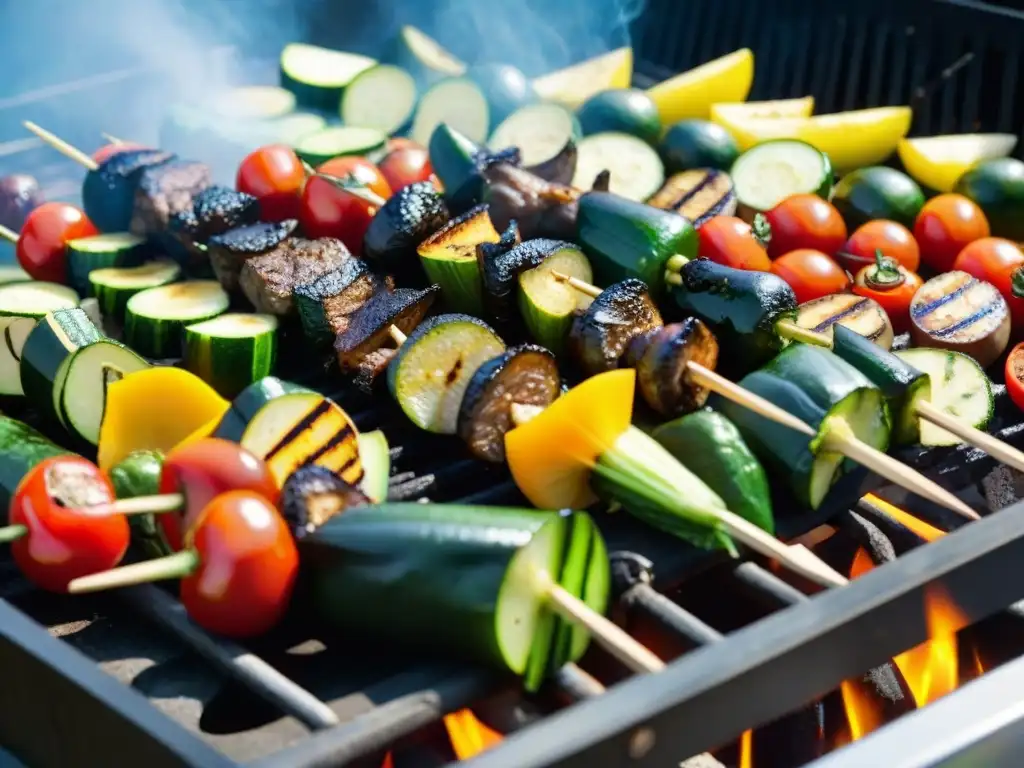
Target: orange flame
{"points": [[746, 750], [908, 521], [862, 714], [468, 735], [389, 762], [931, 669]]}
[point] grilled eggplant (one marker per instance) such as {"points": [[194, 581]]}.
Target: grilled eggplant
{"points": [[524, 375], [698, 195], [601, 335], [369, 329], [214, 211], [164, 190], [268, 280], [326, 303], [408, 218], [312, 495], [230, 250], [108, 193], [661, 356], [958, 312], [560, 168], [540, 208], [858, 313]]}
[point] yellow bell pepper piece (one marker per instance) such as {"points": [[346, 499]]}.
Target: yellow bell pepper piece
{"points": [[689, 96], [551, 455], [574, 85], [938, 162], [155, 409], [802, 107]]}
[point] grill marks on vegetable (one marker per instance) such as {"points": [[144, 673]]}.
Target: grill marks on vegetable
{"points": [[698, 195]]}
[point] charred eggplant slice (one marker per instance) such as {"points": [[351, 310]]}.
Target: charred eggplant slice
{"points": [[408, 218], [369, 329], [230, 250], [527, 375], [326, 303], [660, 357], [698, 195], [433, 368], [540, 208], [601, 335], [312, 495], [449, 259]]}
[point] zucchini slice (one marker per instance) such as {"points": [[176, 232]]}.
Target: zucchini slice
{"points": [[21, 306], [450, 260], [87, 374], [230, 352], [548, 304], [289, 427], [423, 56], [12, 274], [155, 318], [538, 131], [457, 102], [86, 254], [14, 331], [432, 370], [319, 147], [113, 286], [381, 97], [768, 173], [317, 76], [698, 195], [21, 448], [959, 387], [858, 313], [636, 170], [375, 454]]}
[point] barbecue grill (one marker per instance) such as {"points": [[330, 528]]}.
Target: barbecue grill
{"points": [[126, 679]]}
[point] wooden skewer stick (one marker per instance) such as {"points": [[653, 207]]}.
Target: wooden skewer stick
{"points": [[62, 146], [141, 505], [991, 445], [845, 443], [112, 139], [397, 335], [8, 234]]}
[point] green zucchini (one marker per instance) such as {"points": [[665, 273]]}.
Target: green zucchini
{"points": [[902, 385], [113, 286], [318, 76], [21, 448], [460, 580], [450, 260], [382, 97], [155, 318], [45, 353], [138, 474], [624, 238], [877, 192], [621, 110], [997, 186], [698, 144], [13, 333], [12, 274], [959, 387], [824, 391], [376, 457], [230, 352], [713, 449], [22, 304], [337, 141], [636, 171], [422, 56], [769, 172], [289, 426], [112, 249], [547, 304], [434, 366]]}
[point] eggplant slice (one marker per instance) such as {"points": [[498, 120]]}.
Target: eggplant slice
{"points": [[698, 195], [661, 357], [369, 329], [312, 495], [408, 218], [601, 335], [541, 208], [527, 375]]}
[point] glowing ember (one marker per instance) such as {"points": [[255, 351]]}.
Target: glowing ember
{"points": [[746, 750], [862, 714], [908, 521], [931, 669], [468, 735], [388, 761]]}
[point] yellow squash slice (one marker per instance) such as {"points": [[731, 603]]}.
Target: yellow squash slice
{"points": [[574, 85], [689, 96]]}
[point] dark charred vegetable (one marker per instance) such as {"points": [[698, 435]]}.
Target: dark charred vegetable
{"points": [[408, 218], [460, 163], [19, 196], [661, 356], [539, 207], [214, 211], [108, 193], [312, 495], [501, 265], [525, 375], [230, 250], [558, 169], [602, 334], [369, 329], [327, 303], [698, 195]]}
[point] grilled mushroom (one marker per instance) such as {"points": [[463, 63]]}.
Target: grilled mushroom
{"points": [[229, 251], [369, 329], [541, 208], [698, 195], [268, 280], [660, 357], [312, 495], [326, 303], [602, 333], [527, 375], [408, 218]]}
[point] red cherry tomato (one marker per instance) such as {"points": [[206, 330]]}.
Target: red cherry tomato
{"points": [[338, 208], [109, 150], [402, 143], [274, 174], [247, 564], [406, 166], [945, 226], [811, 274], [805, 221], [361, 169], [1001, 263], [1015, 375], [205, 469], [64, 540], [731, 241], [890, 237], [893, 286], [41, 248]]}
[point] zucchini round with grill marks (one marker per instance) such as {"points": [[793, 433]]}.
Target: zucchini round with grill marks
{"points": [[230, 352], [661, 357], [858, 313], [601, 335], [523, 375], [155, 319], [433, 368], [113, 286], [698, 195]]}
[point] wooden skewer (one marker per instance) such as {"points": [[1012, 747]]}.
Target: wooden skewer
{"points": [[62, 146], [112, 139], [138, 505], [397, 335], [993, 446], [8, 234], [844, 442]]}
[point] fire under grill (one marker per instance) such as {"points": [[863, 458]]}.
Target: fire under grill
{"points": [[768, 672]]}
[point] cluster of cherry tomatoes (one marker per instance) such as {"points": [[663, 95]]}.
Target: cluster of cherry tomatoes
{"points": [[337, 199], [238, 560]]}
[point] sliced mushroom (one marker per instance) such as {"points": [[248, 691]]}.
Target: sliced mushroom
{"points": [[602, 333], [661, 357], [312, 495]]}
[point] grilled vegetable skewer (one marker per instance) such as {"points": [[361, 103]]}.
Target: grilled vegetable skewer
{"points": [[846, 444]]}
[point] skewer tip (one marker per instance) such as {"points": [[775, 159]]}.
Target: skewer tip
{"points": [[8, 234]]}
